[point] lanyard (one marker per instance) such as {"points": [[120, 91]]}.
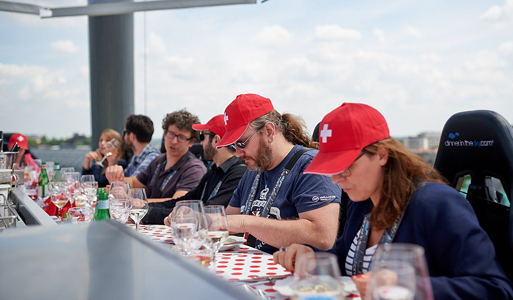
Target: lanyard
{"points": [[387, 238], [214, 192], [156, 174]]}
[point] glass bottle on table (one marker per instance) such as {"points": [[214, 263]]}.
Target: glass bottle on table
{"points": [[101, 212], [57, 175], [42, 183]]}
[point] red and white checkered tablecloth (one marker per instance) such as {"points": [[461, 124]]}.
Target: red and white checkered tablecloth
{"points": [[237, 262]]}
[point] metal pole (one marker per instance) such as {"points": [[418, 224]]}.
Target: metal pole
{"points": [[111, 61]]}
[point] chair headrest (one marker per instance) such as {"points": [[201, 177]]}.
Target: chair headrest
{"points": [[479, 143]]}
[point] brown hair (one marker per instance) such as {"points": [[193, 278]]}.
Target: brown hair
{"points": [[402, 172], [112, 134], [292, 127], [183, 120]]}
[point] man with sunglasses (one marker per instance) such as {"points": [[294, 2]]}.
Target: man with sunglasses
{"points": [[217, 186], [275, 204], [174, 173]]}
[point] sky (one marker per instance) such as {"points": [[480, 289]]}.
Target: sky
{"points": [[417, 62]]}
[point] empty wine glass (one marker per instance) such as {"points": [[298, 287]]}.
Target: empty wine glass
{"points": [[317, 276], [110, 147], [139, 206], [184, 227], [87, 178], [67, 170], [119, 189], [73, 190], [89, 189], [399, 271]]}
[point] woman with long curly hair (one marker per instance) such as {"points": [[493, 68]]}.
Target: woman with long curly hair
{"points": [[398, 198]]}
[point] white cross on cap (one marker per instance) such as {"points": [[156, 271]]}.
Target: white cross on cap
{"points": [[225, 119], [20, 138], [325, 133]]}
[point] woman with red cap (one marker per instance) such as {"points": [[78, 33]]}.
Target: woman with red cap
{"points": [[397, 197]]}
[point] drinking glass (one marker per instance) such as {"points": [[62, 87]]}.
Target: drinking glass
{"points": [[217, 225], [66, 170], [119, 189], [50, 169], [80, 214], [58, 195], [72, 182], [184, 227], [89, 189], [204, 255], [119, 209], [87, 178], [111, 145], [399, 271], [317, 276], [139, 206]]}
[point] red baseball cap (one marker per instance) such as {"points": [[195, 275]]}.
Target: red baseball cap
{"points": [[20, 139], [343, 134], [242, 111], [216, 125]]}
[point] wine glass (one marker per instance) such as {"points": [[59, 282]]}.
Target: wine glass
{"points": [[139, 206], [80, 214], [72, 183], [90, 188], [50, 169], [58, 195], [87, 178], [217, 226], [317, 276], [119, 189], [399, 271], [67, 170], [111, 145], [184, 227]]}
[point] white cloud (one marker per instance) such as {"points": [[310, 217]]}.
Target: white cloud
{"points": [[413, 32], [335, 32], [156, 44], [506, 48], [498, 13], [67, 47], [379, 34], [273, 36]]}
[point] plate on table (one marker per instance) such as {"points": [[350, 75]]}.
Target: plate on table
{"points": [[233, 239], [283, 286]]}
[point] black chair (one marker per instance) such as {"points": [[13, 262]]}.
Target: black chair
{"points": [[476, 156]]}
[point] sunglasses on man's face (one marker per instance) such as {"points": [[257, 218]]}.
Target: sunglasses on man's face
{"points": [[202, 135]]}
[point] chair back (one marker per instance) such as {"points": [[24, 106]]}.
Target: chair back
{"points": [[476, 156]]}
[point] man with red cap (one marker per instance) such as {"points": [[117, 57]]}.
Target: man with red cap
{"points": [[217, 185], [275, 203]]}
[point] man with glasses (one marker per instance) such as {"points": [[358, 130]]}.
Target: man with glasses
{"points": [[174, 173], [275, 203], [137, 137], [217, 186]]}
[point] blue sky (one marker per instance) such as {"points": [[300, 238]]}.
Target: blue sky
{"points": [[417, 63]]}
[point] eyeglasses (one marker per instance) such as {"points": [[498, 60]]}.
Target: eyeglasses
{"points": [[347, 172], [242, 145], [125, 132], [170, 135], [202, 135]]}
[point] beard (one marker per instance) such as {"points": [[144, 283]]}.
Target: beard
{"points": [[209, 151], [263, 159]]}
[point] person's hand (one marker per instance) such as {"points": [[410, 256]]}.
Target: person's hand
{"points": [[90, 156], [361, 281], [287, 256], [167, 220], [114, 173]]}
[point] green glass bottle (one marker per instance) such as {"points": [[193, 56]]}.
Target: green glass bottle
{"points": [[42, 183], [57, 176], [102, 207]]}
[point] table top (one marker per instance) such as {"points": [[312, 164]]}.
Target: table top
{"points": [[235, 262]]}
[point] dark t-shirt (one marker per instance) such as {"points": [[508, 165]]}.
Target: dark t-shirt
{"points": [[184, 175], [215, 188], [298, 193]]}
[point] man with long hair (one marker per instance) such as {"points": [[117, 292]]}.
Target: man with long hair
{"points": [[275, 203]]}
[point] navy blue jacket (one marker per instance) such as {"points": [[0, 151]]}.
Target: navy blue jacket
{"points": [[460, 255]]}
